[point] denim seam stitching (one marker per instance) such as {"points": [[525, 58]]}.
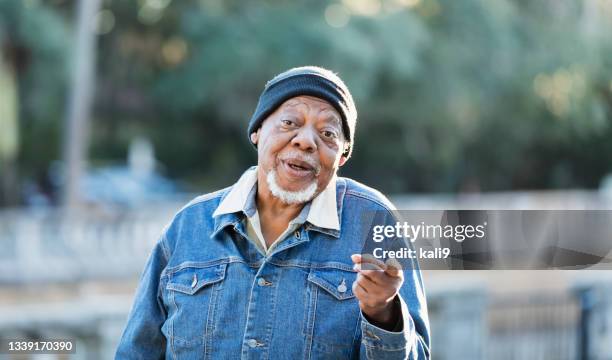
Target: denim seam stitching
{"points": [[201, 199], [312, 319], [199, 265], [164, 247], [210, 320], [172, 349], [367, 344], [372, 199], [308, 265], [356, 337], [272, 318], [324, 284]]}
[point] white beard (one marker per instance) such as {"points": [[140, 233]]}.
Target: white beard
{"points": [[290, 197]]}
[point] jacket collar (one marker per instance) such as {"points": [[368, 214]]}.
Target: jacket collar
{"points": [[322, 213]]}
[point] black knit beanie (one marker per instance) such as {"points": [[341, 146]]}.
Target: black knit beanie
{"points": [[311, 81]]}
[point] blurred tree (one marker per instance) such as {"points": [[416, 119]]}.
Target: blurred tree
{"points": [[203, 64], [9, 136], [466, 95], [33, 46], [76, 135]]}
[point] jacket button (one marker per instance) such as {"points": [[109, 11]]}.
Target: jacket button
{"points": [[297, 234], [252, 343], [342, 287], [261, 282]]}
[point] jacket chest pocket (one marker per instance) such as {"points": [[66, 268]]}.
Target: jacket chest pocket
{"points": [[333, 313], [193, 293]]}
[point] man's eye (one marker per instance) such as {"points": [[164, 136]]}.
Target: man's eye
{"points": [[329, 134], [287, 122]]}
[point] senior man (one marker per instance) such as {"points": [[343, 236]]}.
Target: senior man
{"points": [[270, 268]]}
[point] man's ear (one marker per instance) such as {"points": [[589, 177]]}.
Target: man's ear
{"points": [[343, 157], [255, 136]]}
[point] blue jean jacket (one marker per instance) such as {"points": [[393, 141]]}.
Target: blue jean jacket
{"points": [[208, 293]]}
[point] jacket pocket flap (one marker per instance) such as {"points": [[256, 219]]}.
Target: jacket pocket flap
{"points": [[191, 279], [338, 283]]}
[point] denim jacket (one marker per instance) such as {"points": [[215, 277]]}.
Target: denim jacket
{"points": [[207, 292]]}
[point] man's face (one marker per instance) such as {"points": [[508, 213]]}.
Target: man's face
{"points": [[302, 143]]}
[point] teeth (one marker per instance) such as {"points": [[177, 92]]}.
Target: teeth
{"points": [[297, 167]]}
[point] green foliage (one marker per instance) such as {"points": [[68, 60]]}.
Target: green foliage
{"points": [[35, 42], [452, 95]]}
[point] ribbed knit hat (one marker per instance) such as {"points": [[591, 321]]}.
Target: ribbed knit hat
{"points": [[311, 81]]}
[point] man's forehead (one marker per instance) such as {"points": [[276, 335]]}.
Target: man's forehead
{"points": [[309, 101]]}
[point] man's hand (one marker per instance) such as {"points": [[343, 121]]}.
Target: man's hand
{"points": [[376, 286]]}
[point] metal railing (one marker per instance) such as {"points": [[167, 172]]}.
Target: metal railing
{"points": [[534, 326], [44, 246]]}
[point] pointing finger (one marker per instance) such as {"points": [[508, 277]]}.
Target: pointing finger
{"points": [[393, 268], [367, 261]]}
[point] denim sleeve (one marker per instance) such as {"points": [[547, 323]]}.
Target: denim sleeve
{"points": [[412, 339], [142, 337], [406, 343]]}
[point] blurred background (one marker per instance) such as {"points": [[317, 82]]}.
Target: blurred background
{"points": [[113, 114]]}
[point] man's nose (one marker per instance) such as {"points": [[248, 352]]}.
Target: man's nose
{"points": [[305, 140]]}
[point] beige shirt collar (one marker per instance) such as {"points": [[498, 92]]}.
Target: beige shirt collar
{"points": [[323, 212]]}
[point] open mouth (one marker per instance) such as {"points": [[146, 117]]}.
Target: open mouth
{"points": [[299, 165]]}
